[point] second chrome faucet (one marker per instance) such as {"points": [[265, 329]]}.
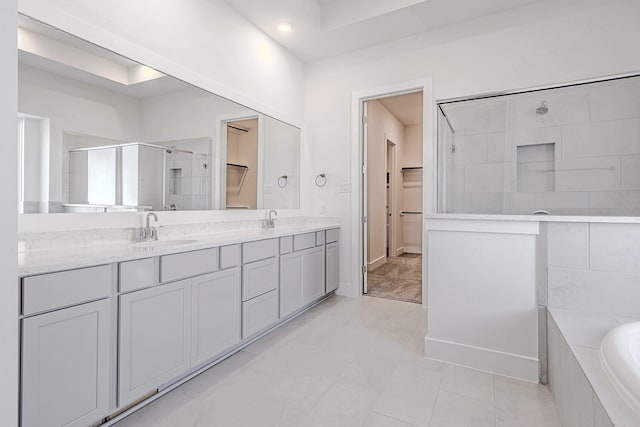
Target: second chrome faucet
{"points": [[269, 222]]}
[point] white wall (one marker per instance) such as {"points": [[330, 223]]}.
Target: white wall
{"points": [[281, 157], [568, 46], [412, 189], [8, 218], [203, 42]]}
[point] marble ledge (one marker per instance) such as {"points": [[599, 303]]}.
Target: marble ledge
{"points": [[32, 262], [538, 218]]}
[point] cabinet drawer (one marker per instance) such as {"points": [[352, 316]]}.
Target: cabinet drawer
{"points": [[333, 235], [320, 238], [136, 274], [304, 241], [259, 313], [259, 277], [188, 264], [286, 245], [230, 256], [66, 288], [262, 249]]}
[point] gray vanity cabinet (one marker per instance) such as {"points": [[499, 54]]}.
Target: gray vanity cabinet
{"points": [[301, 276], [332, 267], [332, 257], [291, 278], [66, 366], [260, 272], [154, 339], [313, 277], [216, 314]]}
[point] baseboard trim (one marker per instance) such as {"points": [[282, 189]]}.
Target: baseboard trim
{"points": [[483, 359], [377, 263], [347, 290], [412, 249]]}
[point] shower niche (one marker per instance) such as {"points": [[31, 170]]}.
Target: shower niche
{"points": [[535, 168]]}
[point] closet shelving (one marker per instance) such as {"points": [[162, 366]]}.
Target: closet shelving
{"points": [[411, 176], [235, 176]]}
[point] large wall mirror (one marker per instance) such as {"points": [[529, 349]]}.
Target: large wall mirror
{"points": [[102, 133]]}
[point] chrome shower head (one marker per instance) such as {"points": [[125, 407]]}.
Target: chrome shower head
{"points": [[542, 108]]}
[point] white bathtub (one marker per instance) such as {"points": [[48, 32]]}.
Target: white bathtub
{"points": [[620, 359]]}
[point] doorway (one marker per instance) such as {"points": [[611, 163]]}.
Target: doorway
{"points": [[392, 197], [242, 164]]}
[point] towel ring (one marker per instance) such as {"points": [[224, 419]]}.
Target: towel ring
{"points": [[321, 180], [282, 181]]}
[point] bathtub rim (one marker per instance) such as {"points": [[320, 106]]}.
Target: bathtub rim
{"points": [[614, 350]]}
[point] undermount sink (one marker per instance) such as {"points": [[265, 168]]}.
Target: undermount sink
{"points": [[159, 244]]}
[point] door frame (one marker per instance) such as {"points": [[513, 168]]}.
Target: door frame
{"points": [[429, 162], [219, 175], [392, 196]]}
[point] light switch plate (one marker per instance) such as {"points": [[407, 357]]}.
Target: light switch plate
{"points": [[345, 187]]}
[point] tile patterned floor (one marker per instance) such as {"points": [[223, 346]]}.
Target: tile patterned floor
{"points": [[348, 362], [400, 278]]}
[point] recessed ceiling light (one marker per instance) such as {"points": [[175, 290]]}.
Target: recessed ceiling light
{"points": [[285, 26]]}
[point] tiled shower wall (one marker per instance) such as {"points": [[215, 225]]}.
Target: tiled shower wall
{"points": [[594, 267], [584, 157]]}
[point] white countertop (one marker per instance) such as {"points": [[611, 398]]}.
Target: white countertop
{"points": [[540, 218], [57, 259]]}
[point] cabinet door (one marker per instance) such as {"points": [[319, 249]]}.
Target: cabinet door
{"points": [[291, 277], [313, 278], [65, 366], [333, 272], [216, 314], [154, 339]]}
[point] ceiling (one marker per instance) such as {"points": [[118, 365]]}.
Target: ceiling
{"points": [[406, 108], [324, 28]]}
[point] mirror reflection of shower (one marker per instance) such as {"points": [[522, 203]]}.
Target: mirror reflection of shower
{"points": [[187, 174]]}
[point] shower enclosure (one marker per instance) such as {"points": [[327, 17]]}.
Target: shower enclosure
{"points": [[566, 150]]}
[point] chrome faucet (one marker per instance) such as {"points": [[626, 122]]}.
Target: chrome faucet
{"points": [[269, 222], [149, 233]]}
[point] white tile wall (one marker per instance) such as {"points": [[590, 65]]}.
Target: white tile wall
{"points": [[593, 174], [620, 100], [566, 106], [615, 247], [596, 134], [568, 244], [471, 148], [616, 137], [594, 267], [484, 178]]}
